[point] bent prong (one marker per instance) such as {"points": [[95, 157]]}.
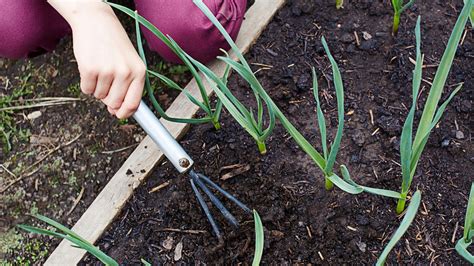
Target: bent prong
{"points": [[227, 215], [225, 193], [205, 208]]}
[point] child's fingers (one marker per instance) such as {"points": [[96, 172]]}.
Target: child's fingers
{"points": [[88, 82], [117, 92], [104, 82], [111, 110], [132, 99]]}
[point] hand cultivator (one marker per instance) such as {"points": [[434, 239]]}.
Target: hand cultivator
{"points": [[183, 163]]}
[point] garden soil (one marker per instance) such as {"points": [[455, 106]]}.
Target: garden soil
{"points": [[303, 222]]}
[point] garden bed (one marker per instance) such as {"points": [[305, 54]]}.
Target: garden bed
{"points": [[304, 222]]}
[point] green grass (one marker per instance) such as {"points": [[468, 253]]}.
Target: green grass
{"points": [[10, 133]]}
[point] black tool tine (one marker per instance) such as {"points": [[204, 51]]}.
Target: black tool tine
{"points": [[205, 208], [225, 193], [229, 217]]}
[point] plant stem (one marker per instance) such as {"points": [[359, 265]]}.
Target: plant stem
{"points": [[261, 147], [216, 124], [328, 183], [339, 3], [396, 22], [401, 203]]}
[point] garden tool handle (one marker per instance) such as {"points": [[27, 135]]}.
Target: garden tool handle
{"points": [[163, 139]]}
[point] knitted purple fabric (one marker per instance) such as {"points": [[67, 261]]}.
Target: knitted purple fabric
{"points": [[30, 27]]}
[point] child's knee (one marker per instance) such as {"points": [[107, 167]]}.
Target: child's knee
{"points": [[190, 28], [29, 27]]}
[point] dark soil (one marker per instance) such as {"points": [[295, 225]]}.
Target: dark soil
{"points": [[303, 222]]}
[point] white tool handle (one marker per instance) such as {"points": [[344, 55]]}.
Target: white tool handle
{"points": [[160, 135]]}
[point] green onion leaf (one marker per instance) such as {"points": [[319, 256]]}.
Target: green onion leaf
{"points": [[259, 239], [439, 81], [77, 240], [320, 115], [406, 222], [338, 85]]}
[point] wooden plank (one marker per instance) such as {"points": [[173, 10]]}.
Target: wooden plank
{"points": [[115, 194]]}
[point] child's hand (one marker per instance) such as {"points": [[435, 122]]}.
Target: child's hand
{"points": [[109, 66]]}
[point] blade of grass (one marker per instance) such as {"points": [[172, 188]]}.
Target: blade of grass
{"points": [[406, 222], [259, 239]]}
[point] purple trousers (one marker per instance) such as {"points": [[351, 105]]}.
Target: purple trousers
{"points": [[31, 27]]}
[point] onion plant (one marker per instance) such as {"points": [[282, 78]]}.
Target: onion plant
{"points": [[472, 14], [245, 117], [324, 162], [339, 4], [254, 124], [468, 235], [406, 222], [330, 156], [399, 6], [212, 114], [64, 233], [411, 150], [259, 239]]}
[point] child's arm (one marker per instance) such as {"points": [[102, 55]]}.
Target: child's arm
{"points": [[109, 65]]}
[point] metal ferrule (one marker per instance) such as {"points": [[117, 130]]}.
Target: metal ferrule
{"points": [[163, 139]]}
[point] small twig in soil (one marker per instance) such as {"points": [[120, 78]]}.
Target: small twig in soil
{"points": [[423, 66], [159, 187], [463, 37], [371, 117], [320, 255], [37, 162], [375, 131], [119, 150], [453, 239], [41, 104], [427, 81], [8, 171], [76, 201], [262, 65], [357, 38]]}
